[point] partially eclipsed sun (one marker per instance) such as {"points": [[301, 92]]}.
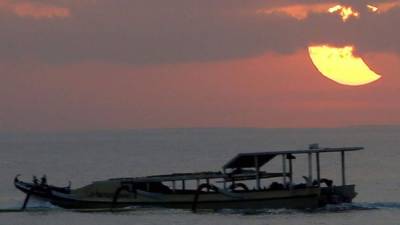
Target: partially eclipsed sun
{"points": [[340, 65]]}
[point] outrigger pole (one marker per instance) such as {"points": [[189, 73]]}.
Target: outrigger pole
{"points": [[28, 196]]}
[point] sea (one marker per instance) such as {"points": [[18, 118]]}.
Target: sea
{"points": [[83, 157]]}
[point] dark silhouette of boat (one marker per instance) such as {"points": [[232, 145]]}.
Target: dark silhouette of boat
{"points": [[240, 185]]}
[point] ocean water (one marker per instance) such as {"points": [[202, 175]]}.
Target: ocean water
{"points": [[87, 156]]}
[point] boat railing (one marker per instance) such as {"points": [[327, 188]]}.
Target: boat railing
{"points": [[246, 166]]}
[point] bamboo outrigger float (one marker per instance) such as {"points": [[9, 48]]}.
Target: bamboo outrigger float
{"points": [[212, 190]]}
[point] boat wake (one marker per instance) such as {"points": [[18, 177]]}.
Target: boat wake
{"points": [[36, 205], [326, 209], [359, 206], [378, 205], [16, 209]]}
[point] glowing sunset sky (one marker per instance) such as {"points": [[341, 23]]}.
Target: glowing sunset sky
{"points": [[100, 64]]}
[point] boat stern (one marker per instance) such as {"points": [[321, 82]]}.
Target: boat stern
{"points": [[338, 194]]}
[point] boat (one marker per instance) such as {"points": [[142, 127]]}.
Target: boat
{"points": [[241, 184]]}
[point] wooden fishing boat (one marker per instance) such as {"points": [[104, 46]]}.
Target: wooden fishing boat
{"points": [[242, 184]]}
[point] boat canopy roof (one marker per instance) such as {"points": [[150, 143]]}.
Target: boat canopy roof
{"points": [[242, 160], [175, 176], [240, 175], [258, 159]]}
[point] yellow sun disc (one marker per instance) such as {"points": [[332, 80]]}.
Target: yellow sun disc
{"points": [[340, 65]]}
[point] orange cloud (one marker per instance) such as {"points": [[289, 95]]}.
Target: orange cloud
{"points": [[299, 11], [372, 8], [344, 11], [302, 11], [384, 7], [34, 10]]}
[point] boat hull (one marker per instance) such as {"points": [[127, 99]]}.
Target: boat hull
{"points": [[307, 198], [299, 199]]}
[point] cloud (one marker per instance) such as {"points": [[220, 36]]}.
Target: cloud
{"points": [[34, 10], [386, 6], [303, 11], [299, 11], [178, 31]]}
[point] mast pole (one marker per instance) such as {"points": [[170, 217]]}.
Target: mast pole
{"points": [[343, 167]]}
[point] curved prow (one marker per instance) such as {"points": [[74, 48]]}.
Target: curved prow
{"points": [[28, 191], [16, 178]]}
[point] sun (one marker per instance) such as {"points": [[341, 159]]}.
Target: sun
{"points": [[340, 65]]}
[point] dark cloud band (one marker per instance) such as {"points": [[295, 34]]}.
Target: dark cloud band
{"points": [[158, 31]]}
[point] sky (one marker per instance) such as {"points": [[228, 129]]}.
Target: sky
{"points": [[126, 64]]}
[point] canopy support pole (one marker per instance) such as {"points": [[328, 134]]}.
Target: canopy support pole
{"points": [[343, 167], [310, 169], [224, 179], [173, 185], [318, 169], [258, 185], [284, 173], [290, 173]]}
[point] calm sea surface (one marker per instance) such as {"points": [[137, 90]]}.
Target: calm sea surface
{"points": [[85, 157]]}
